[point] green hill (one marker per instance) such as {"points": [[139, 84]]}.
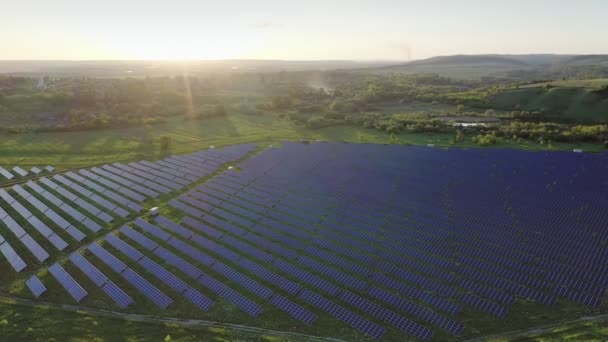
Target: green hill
{"points": [[572, 103], [508, 67]]}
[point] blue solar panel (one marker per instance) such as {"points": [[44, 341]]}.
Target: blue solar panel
{"points": [[294, 310], [107, 257], [485, 305], [139, 238], [33, 246], [35, 286], [201, 227], [150, 291], [271, 277], [179, 230], [68, 283], [12, 257], [192, 252], [165, 276], [387, 316], [13, 226], [152, 229], [243, 280], [123, 247], [186, 208], [75, 233], [417, 310], [247, 249], [198, 299], [363, 325], [89, 269], [179, 263], [240, 301], [306, 277], [122, 299], [340, 277]]}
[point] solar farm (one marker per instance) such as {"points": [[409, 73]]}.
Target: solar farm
{"points": [[336, 240]]}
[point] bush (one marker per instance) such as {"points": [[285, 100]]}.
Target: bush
{"points": [[165, 143], [485, 139]]}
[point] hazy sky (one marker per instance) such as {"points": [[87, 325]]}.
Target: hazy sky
{"points": [[311, 29]]}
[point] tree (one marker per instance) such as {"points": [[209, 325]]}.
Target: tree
{"points": [[165, 143]]}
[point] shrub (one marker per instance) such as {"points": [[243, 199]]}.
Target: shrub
{"points": [[485, 139], [165, 143]]}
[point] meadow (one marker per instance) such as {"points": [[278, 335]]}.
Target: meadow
{"points": [[76, 149]]}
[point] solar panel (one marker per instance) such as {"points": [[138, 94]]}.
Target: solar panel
{"points": [[271, 277], [387, 316], [139, 238], [58, 242], [404, 305], [33, 246], [198, 299], [243, 280], [37, 203], [192, 252], [179, 263], [306, 277], [123, 247], [241, 302], [186, 208], [120, 297], [13, 226], [12, 257], [6, 174], [107, 257], [247, 249], [361, 324], [69, 284], [294, 310], [18, 189], [40, 227], [91, 225], [485, 305], [92, 272], [176, 228], [201, 227], [6, 196], [152, 229], [21, 172], [35, 286], [330, 272], [147, 289], [75, 233]]}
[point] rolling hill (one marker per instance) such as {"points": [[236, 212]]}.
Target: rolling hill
{"points": [[509, 67]]}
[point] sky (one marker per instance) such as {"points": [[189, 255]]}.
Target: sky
{"points": [[297, 30]]}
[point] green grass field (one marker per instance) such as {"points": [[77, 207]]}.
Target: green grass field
{"points": [[85, 148]]}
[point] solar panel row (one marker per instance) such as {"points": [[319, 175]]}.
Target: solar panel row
{"points": [[69, 284]]}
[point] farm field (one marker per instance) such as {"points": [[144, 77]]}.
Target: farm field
{"points": [[67, 150], [335, 240]]}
